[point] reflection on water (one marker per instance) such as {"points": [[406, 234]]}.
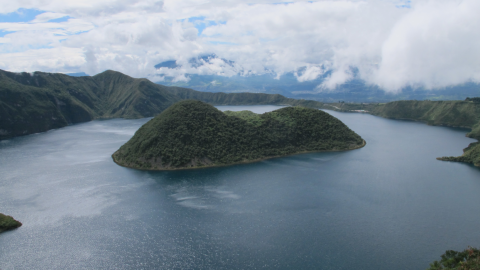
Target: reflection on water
{"points": [[389, 205]]}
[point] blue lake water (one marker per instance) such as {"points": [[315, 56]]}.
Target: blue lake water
{"points": [[390, 205]]}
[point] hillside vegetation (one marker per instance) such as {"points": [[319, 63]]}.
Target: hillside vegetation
{"points": [[8, 223], [37, 102], [446, 113], [220, 98], [193, 134], [469, 259]]}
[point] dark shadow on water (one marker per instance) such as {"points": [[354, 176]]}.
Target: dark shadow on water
{"points": [[204, 176]]}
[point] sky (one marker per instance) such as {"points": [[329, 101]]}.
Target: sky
{"points": [[388, 43]]}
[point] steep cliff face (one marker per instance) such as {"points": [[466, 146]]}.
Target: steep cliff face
{"points": [[26, 109], [126, 97]]}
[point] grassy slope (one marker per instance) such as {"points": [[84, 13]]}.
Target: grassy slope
{"points": [[127, 97], [26, 106], [449, 113], [193, 134], [31, 103], [8, 223]]}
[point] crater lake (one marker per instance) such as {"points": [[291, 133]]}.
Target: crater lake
{"points": [[389, 205]]}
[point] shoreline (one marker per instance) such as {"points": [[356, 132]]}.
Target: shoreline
{"points": [[238, 163]]}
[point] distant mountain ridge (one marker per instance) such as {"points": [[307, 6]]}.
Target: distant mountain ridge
{"points": [[37, 102], [290, 85]]}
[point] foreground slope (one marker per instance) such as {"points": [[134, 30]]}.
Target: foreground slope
{"points": [[193, 134]]}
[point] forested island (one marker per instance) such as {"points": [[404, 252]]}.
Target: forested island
{"points": [[8, 223], [193, 134]]}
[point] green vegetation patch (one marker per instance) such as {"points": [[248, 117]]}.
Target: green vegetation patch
{"points": [[192, 134], [8, 223], [471, 155], [251, 117], [469, 259]]}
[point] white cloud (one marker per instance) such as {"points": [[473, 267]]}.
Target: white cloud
{"points": [[49, 60], [435, 45], [310, 73], [45, 17], [431, 43]]}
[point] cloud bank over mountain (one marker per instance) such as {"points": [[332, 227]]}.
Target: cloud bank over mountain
{"points": [[392, 44]]}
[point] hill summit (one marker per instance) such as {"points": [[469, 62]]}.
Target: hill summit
{"points": [[193, 134]]}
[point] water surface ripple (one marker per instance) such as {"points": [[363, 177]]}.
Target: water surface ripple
{"points": [[390, 205]]}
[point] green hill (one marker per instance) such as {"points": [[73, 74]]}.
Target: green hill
{"points": [[447, 113], [37, 102], [193, 134], [220, 98], [8, 223]]}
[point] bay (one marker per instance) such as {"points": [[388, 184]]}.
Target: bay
{"points": [[389, 205]]}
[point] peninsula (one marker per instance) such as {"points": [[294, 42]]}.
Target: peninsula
{"points": [[193, 134], [8, 223]]}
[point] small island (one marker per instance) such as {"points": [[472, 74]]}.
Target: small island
{"points": [[192, 134], [8, 223]]}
